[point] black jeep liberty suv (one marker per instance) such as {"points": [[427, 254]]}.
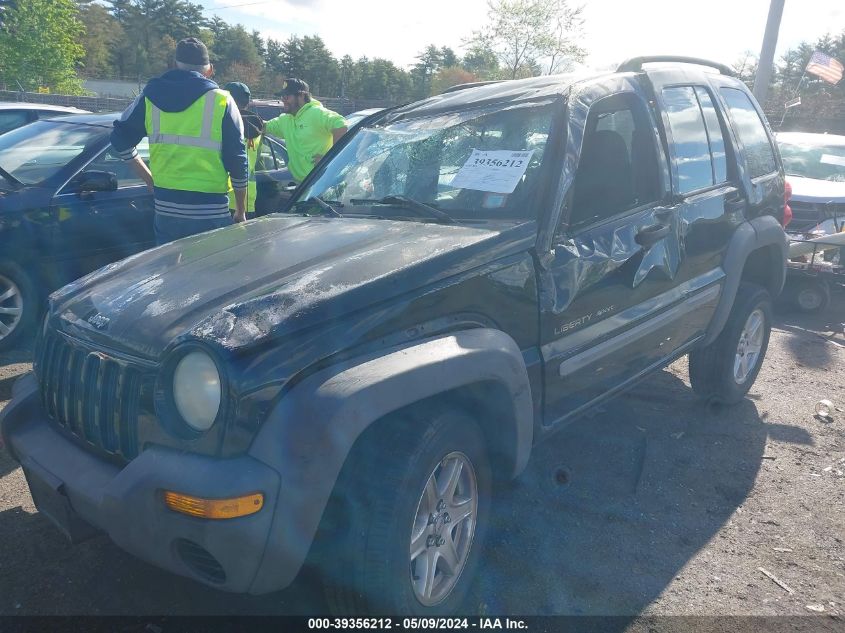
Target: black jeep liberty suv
{"points": [[456, 280]]}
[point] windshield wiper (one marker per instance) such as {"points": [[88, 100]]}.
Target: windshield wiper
{"points": [[10, 179], [325, 206], [404, 202]]}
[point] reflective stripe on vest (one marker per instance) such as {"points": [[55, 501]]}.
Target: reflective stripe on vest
{"points": [[185, 147], [204, 140]]}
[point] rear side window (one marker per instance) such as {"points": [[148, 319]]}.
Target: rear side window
{"points": [[689, 136], [714, 136], [751, 132], [11, 119]]}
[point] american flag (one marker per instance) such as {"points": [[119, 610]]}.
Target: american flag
{"points": [[825, 67]]}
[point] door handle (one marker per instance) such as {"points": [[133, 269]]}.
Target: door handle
{"points": [[735, 205], [649, 235]]}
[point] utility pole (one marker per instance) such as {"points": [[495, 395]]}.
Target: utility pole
{"points": [[767, 53]]}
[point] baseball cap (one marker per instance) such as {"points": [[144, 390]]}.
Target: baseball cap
{"points": [[192, 51], [240, 93], [293, 86]]}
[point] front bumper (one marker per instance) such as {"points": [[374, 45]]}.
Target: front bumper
{"points": [[82, 493]]}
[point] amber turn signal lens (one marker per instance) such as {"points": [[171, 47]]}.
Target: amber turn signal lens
{"points": [[214, 508]]}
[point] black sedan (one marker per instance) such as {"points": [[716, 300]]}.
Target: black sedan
{"points": [[69, 205]]}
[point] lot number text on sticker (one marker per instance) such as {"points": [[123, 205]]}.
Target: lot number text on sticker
{"points": [[494, 171]]}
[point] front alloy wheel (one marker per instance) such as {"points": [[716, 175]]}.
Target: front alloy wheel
{"points": [[443, 529], [404, 531]]}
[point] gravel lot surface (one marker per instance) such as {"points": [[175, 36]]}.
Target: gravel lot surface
{"points": [[666, 507]]}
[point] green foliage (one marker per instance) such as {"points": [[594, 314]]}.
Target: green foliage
{"points": [[530, 36], [234, 55], [482, 61], [40, 46], [151, 29], [102, 33]]}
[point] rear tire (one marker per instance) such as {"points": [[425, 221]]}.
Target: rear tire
{"points": [[809, 295], [421, 480], [19, 305], [726, 369]]}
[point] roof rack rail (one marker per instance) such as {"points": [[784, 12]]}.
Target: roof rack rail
{"points": [[473, 84], [636, 63]]}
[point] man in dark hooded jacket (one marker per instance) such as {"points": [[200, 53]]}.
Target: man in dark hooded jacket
{"points": [[196, 146]]}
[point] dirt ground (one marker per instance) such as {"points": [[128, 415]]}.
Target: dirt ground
{"points": [[651, 505]]}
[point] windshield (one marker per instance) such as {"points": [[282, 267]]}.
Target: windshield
{"points": [[35, 152], [822, 162], [478, 164]]}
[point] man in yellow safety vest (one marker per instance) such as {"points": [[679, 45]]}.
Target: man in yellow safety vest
{"points": [[309, 129], [196, 146]]}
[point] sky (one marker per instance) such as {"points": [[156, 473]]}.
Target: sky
{"points": [[398, 30]]}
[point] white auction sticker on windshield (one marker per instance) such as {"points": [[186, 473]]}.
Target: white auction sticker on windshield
{"points": [[833, 159], [494, 171]]}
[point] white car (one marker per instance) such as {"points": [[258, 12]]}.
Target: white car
{"points": [[14, 114], [815, 167]]}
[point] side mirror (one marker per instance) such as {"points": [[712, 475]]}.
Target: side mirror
{"points": [[290, 187], [90, 181]]}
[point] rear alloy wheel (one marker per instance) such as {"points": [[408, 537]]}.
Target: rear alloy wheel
{"points": [[750, 345], [18, 305], [726, 369]]}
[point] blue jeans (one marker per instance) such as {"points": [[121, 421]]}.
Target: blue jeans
{"points": [[168, 228]]}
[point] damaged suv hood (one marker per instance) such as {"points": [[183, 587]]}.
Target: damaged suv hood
{"points": [[236, 286]]}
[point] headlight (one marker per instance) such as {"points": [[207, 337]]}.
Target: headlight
{"points": [[196, 390]]}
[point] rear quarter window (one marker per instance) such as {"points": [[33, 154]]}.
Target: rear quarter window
{"points": [[751, 132]]}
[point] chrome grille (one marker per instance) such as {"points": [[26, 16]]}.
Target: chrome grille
{"points": [[90, 394]]}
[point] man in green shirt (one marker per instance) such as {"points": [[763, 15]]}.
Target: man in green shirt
{"points": [[308, 128]]}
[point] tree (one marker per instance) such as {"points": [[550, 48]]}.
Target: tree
{"points": [[746, 68], [568, 23], [523, 32], [429, 62], [149, 27], [40, 45], [481, 61], [448, 59], [258, 42], [234, 55], [452, 76], [102, 32]]}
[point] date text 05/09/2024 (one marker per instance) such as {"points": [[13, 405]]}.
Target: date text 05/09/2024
{"points": [[412, 624]]}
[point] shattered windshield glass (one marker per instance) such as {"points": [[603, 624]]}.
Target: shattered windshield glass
{"points": [[478, 164]]}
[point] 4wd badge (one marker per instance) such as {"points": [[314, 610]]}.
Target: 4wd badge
{"points": [[98, 321]]}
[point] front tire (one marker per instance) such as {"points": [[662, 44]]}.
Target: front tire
{"points": [[413, 501], [726, 369]]}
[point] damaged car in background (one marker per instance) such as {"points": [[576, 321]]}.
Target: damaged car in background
{"points": [[70, 205], [459, 278]]}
